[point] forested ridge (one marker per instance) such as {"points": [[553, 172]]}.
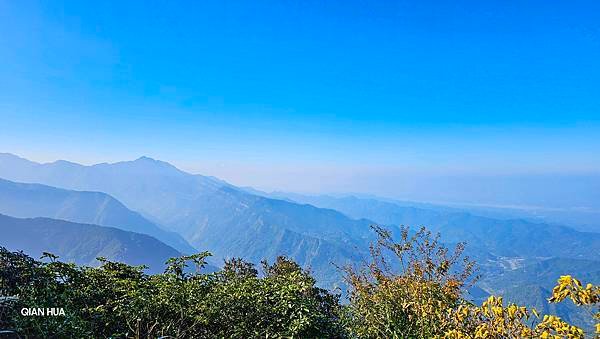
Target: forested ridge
{"points": [[413, 287]]}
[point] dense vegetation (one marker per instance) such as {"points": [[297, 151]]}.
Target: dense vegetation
{"points": [[412, 288]]}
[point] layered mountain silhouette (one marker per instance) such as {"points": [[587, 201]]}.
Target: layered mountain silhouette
{"points": [[83, 243], [35, 200], [315, 231], [211, 214]]}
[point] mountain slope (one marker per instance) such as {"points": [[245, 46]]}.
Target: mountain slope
{"points": [[35, 200], [83, 243], [507, 238]]}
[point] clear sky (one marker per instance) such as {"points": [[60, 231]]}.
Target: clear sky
{"points": [[306, 95]]}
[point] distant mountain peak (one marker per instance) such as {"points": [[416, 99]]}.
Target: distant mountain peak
{"points": [[65, 163], [146, 162], [144, 158], [151, 161]]}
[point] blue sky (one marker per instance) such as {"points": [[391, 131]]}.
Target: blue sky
{"points": [[306, 95]]}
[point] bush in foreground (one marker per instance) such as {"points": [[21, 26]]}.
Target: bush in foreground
{"points": [[412, 288], [117, 300]]}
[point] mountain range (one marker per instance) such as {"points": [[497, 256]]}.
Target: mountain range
{"points": [[500, 237], [211, 214]]}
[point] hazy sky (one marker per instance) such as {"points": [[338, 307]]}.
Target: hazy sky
{"points": [[306, 96]]}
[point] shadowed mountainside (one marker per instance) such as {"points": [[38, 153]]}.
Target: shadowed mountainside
{"points": [[35, 200], [83, 243]]}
